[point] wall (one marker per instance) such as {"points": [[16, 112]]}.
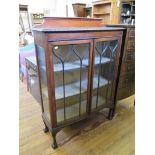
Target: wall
{"points": [[56, 7], [35, 6]]}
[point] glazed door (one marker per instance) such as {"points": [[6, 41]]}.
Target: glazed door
{"points": [[105, 64], [71, 66]]}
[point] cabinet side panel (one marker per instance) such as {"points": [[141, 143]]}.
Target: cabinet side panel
{"points": [[43, 79]]}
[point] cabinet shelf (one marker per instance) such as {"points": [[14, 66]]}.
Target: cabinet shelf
{"points": [[125, 15], [104, 13], [72, 111], [76, 64], [72, 89], [102, 3], [103, 9]]}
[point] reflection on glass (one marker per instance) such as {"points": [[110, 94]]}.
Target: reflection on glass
{"points": [[71, 80], [104, 60]]}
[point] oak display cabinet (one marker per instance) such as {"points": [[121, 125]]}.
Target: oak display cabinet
{"points": [[77, 61]]}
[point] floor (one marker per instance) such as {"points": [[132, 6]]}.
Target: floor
{"points": [[98, 136]]}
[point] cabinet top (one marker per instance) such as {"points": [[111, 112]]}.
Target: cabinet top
{"points": [[65, 24]]}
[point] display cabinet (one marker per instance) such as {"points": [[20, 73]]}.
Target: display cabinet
{"points": [[78, 60]]}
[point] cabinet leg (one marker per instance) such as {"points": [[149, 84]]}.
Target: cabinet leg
{"points": [[54, 144], [111, 114], [45, 129]]}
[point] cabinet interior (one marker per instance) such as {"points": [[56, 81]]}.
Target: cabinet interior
{"points": [[71, 68]]}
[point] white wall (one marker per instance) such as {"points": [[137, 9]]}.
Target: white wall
{"points": [[35, 6], [57, 7]]}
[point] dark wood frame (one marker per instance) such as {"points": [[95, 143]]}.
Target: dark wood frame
{"points": [[47, 38]]}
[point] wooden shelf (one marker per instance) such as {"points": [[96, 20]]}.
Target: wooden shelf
{"points": [[126, 4], [73, 110], [125, 15], [105, 13], [102, 3], [72, 91], [76, 65], [67, 66], [107, 10]]}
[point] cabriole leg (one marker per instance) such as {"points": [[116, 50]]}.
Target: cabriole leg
{"points": [[54, 144], [46, 128]]}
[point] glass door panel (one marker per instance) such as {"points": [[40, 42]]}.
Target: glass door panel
{"points": [[103, 74], [71, 65]]}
